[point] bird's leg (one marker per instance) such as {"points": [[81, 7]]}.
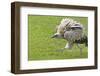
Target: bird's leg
{"points": [[80, 49], [68, 45]]}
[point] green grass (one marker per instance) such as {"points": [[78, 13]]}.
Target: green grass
{"points": [[40, 44]]}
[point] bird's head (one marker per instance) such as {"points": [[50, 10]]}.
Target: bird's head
{"points": [[59, 32], [57, 35]]}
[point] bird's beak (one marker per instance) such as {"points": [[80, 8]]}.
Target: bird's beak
{"points": [[54, 36]]}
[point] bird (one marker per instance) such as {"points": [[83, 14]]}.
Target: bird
{"points": [[73, 32]]}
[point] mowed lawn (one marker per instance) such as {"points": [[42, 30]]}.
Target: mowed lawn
{"points": [[40, 44]]}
